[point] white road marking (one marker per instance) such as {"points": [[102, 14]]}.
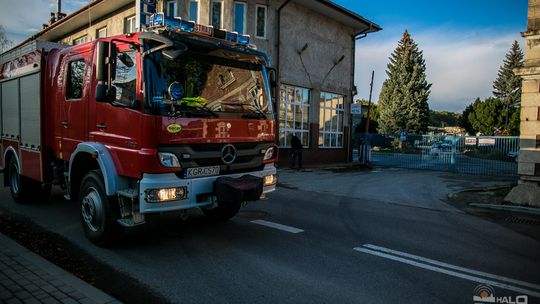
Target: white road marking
{"points": [[277, 226], [462, 269], [449, 272]]}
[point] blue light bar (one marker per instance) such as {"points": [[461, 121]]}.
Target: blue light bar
{"points": [[157, 19], [220, 34], [172, 22], [179, 25], [232, 36], [243, 39], [187, 26]]}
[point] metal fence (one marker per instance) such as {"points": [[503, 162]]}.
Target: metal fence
{"points": [[480, 155]]}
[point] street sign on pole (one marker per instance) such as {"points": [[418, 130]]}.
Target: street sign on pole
{"points": [[356, 109]]}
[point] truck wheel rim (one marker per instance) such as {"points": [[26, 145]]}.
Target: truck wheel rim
{"points": [[14, 179], [92, 209]]}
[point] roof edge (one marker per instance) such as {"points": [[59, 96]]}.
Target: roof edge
{"points": [[57, 23], [373, 27]]}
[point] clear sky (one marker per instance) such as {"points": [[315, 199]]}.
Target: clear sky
{"points": [[463, 41]]}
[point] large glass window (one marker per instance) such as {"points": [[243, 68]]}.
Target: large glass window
{"points": [[239, 17], [130, 26], [216, 14], [331, 120], [294, 109], [125, 80], [75, 79], [172, 8], [260, 22], [194, 10]]}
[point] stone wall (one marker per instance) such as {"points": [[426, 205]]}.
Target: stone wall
{"points": [[528, 192]]}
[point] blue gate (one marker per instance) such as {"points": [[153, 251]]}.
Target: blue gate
{"points": [[480, 155]]}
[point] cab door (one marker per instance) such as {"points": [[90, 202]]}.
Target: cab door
{"points": [[74, 104], [117, 123]]}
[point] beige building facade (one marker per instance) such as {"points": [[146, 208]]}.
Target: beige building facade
{"points": [[528, 190], [311, 43]]}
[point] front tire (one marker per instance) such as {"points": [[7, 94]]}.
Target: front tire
{"points": [[98, 218]]}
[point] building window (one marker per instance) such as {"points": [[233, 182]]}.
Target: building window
{"points": [[172, 8], [130, 24], [101, 33], [293, 115], [331, 120], [260, 22], [75, 79], [194, 10], [216, 14], [80, 40], [239, 17]]}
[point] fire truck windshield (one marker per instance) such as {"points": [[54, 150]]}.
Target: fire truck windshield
{"points": [[217, 82]]}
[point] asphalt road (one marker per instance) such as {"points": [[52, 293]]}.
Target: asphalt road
{"points": [[363, 237]]}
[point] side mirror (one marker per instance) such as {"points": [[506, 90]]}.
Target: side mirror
{"points": [[105, 94], [106, 56], [102, 52], [101, 92], [111, 61]]}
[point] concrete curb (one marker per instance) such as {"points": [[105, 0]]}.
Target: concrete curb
{"points": [[58, 273], [478, 189], [527, 210]]}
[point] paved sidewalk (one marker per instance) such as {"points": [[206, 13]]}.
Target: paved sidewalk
{"points": [[26, 277]]}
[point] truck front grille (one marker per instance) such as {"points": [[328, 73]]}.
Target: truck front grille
{"points": [[248, 156]]}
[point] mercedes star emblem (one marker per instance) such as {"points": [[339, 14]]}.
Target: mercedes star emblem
{"points": [[228, 154]]}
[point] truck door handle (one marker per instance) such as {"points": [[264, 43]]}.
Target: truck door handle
{"points": [[65, 123], [101, 126]]}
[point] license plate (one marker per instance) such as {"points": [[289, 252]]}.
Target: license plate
{"points": [[201, 171]]}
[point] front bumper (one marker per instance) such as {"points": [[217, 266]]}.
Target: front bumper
{"points": [[202, 187]]}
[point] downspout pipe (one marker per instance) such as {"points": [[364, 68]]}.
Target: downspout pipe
{"points": [[360, 35], [278, 69]]}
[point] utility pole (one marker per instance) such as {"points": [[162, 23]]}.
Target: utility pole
{"points": [[369, 102], [366, 136]]}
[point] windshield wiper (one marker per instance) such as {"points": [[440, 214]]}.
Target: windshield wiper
{"points": [[203, 110], [255, 113]]}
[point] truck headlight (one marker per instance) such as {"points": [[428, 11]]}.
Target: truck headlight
{"points": [[165, 194], [168, 160], [270, 180]]}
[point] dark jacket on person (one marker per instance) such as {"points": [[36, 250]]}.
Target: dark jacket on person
{"points": [[296, 144]]}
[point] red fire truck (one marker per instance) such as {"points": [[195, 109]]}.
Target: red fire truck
{"points": [[173, 118]]}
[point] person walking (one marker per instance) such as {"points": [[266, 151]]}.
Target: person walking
{"points": [[296, 151]]}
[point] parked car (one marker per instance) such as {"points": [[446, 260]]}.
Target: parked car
{"points": [[440, 146]]}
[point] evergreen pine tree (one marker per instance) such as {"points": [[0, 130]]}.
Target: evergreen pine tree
{"points": [[507, 87], [464, 121], [487, 115], [404, 94]]}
